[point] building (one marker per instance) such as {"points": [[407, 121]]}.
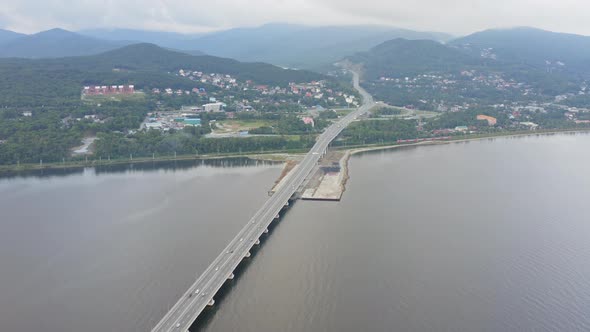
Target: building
{"points": [[108, 90], [308, 121], [154, 125], [530, 125], [213, 107], [461, 128], [491, 120], [192, 122]]}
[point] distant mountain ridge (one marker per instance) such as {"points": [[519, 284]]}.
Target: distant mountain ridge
{"points": [[7, 35], [172, 40], [55, 43], [301, 46], [288, 45]]}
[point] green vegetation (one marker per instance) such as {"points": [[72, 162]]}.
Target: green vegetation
{"points": [[533, 47], [51, 132], [50, 90], [425, 73], [45, 82], [378, 131], [155, 143], [401, 57], [385, 112]]}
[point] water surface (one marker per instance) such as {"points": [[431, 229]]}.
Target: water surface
{"points": [[490, 235], [481, 236], [109, 249]]}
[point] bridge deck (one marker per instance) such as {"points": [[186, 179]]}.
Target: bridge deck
{"points": [[182, 315]]}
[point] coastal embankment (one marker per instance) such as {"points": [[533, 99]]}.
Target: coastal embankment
{"points": [[329, 181]]}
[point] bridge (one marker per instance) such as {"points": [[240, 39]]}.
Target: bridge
{"points": [[201, 293]]}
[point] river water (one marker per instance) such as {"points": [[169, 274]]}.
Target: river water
{"points": [[487, 235]]}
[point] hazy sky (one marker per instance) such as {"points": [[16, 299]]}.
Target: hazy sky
{"points": [[454, 16]]}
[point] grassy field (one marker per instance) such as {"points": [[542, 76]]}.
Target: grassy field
{"points": [[234, 126], [405, 112], [344, 111]]}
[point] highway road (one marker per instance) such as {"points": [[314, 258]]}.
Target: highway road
{"points": [[182, 315]]}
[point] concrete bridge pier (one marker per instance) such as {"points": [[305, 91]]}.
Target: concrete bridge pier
{"points": [[211, 303], [277, 216], [266, 231], [257, 242], [248, 255], [231, 277]]}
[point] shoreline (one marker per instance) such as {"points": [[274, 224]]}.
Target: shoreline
{"points": [[275, 156], [362, 149], [344, 162]]}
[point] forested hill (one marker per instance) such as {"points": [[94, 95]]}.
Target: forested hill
{"points": [[402, 57], [396, 69], [552, 51], [27, 83], [151, 57]]}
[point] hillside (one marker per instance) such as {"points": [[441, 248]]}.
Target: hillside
{"points": [[7, 35], [535, 47], [53, 44], [149, 57], [420, 72], [166, 39], [401, 57], [54, 81]]}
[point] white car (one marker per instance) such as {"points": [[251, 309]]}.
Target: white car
{"points": [[177, 325], [197, 291]]}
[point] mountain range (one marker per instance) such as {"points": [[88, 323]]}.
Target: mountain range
{"points": [[53, 44], [298, 46], [524, 50], [286, 45]]}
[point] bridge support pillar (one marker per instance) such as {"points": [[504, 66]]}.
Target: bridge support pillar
{"points": [[278, 215], [211, 303], [248, 255], [287, 204], [257, 242], [266, 231], [231, 277]]}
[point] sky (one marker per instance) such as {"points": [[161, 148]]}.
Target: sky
{"points": [[458, 17]]}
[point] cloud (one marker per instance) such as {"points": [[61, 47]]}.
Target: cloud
{"points": [[456, 16]]}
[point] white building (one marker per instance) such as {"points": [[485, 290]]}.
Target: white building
{"points": [[213, 107], [153, 125]]}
